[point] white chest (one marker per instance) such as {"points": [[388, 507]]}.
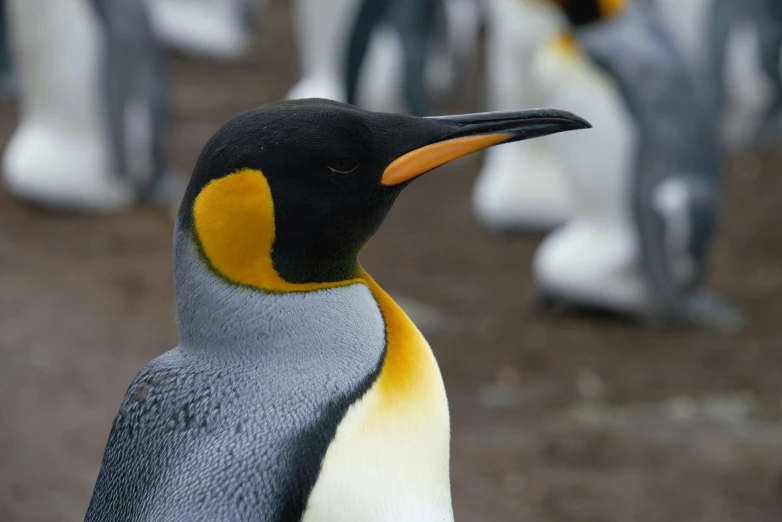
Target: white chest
{"points": [[389, 461]]}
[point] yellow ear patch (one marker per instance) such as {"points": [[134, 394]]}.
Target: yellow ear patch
{"points": [[234, 222], [609, 8]]}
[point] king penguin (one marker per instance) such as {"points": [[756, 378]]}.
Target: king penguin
{"points": [[299, 391], [653, 256], [414, 20], [431, 39], [92, 106], [321, 28], [522, 186], [390, 56]]}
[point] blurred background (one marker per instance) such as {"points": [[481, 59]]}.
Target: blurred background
{"points": [[558, 413]]}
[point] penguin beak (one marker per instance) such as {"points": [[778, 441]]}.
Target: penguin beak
{"points": [[474, 132]]}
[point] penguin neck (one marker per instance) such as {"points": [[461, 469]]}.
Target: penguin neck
{"points": [[214, 311]]}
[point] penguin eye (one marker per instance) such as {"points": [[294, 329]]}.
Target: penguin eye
{"points": [[342, 167]]}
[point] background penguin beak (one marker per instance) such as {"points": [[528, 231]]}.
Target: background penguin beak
{"points": [[474, 132]]}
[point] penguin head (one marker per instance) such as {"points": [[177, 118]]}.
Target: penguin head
{"points": [[583, 12], [284, 197]]}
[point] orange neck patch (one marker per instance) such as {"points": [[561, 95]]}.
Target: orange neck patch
{"points": [[410, 371], [234, 221]]}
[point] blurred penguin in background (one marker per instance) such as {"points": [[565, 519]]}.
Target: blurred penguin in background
{"points": [[426, 48], [91, 132], [322, 29], [384, 55], [593, 258], [414, 20], [641, 247], [521, 185], [744, 43], [220, 29], [736, 46]]}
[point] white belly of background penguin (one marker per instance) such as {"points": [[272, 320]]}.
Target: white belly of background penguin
{"points": [[521, 186], [300, 391], [593, 258], [92, 105]]}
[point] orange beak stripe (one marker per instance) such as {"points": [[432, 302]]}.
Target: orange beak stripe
{"points": [[421, 161]]}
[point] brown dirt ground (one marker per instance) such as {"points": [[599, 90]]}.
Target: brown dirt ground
{"points": [[554, 418]]}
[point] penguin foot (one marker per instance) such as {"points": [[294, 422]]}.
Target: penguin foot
{"points": [[542, 302], [547, 303], [709, 310]]}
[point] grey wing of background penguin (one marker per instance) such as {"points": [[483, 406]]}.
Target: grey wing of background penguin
{"points": [[415, 22], [678, 155], [136, 92]]}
